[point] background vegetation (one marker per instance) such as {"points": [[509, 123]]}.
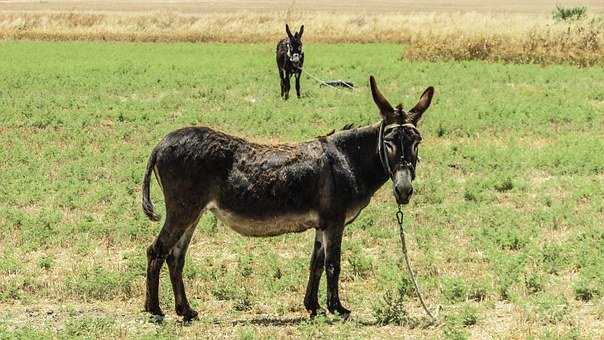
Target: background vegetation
{"points": [[505, 228], [570, 35]]}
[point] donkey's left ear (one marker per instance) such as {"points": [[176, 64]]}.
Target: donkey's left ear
{"points": [[301, 31], [415, 114]]}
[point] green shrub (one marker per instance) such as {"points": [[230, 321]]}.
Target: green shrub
{"points": [[391, 309], [454, 289], [569, 13], [586, 289], [361, 265], [533, 282]]}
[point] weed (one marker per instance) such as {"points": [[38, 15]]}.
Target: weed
{"points": [[361, 265], [454, 289], [569, 13], [533, 282], [585, 290], [505, 185], [477, 291], [552, 309], [45, 262], [390, 310]]}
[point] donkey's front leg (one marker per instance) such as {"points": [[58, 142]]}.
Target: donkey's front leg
{"points": [[333, 246], [317, 262], [297, 74], [286, 85]]}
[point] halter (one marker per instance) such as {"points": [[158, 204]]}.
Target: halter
{"points": [[382, 149], [289, 53]]}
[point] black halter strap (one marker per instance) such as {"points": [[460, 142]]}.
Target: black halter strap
{"points": [[383, 153]]}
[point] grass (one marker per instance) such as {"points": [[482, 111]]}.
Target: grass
{"points": [[433, 36], [505, 227]]}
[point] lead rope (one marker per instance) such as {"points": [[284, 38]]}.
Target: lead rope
{"points": [[302, 70], [399, 219]]}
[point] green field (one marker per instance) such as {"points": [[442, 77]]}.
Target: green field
{"points": [[505, 228]]}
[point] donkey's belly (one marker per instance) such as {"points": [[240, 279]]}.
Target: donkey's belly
{"points": [[266, 226]]}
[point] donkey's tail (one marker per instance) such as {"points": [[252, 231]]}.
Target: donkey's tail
{"points": [[147, 204]]}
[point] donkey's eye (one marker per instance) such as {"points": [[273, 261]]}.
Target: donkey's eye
{"points": [[389, 146]]}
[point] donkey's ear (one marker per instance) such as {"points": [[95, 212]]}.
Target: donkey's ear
{"points": [[383, 105], [415, 114], [289, 33], [301, 31]]}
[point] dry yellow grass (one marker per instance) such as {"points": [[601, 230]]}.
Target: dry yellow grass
{"points": [[354, 6], [534, 38]]}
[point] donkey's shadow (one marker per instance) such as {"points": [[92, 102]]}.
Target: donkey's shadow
{"points": [[269, 321]]}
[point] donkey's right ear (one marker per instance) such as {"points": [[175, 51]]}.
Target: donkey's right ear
{"points": [[289, 33], [386, 110]]}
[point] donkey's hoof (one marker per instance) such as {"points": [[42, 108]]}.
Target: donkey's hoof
{"points": [[344, 315], [316, 312], [156, 318], [341, 312], [153, 310], [189, 315]]}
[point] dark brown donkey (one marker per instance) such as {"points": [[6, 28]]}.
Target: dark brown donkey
{"points": [[266, 190], [290, 59]]}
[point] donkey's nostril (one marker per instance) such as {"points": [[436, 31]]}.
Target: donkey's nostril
{"points": [[397, 192], [409, 191]]}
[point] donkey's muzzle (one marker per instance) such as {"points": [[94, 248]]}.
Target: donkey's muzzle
{"points": [[403, 189], [403, 195], [295, 59]]}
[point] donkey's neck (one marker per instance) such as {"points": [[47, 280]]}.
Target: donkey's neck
{"points": [[359, 158]]}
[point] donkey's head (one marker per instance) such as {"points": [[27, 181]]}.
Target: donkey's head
{"points": [[294, 50], [399, 140]]}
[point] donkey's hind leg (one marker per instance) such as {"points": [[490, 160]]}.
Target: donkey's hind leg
{"points": [[176, 262], [317, 259], [176, 224]]}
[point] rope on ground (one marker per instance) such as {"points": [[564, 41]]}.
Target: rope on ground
{"points": [[322, 82]]}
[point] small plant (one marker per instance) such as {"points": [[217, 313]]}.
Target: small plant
{"points": [[208, 224], [243, 303], [554, 258], [45, 262], [245, 266], [468, 316], [223, 292], [391, 309], [533, 283], [477, 292], [441, 131], [361, 265], [569, 13], [585, 290], [454, 289], [552, 309], [505, 185]]}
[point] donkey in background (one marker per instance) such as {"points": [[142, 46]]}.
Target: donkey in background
{"points": [[266, 190], [290, 59]]}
